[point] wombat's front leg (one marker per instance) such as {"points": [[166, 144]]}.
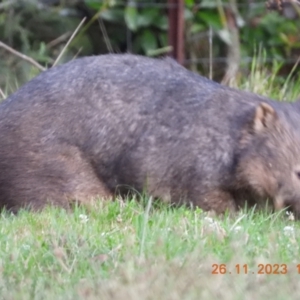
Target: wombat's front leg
{"points": [[218, 201]]}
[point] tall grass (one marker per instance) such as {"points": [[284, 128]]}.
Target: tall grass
{"points": [[124, 250]]}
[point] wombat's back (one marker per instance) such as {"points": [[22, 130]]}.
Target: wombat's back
{"points": [[117, 81]]}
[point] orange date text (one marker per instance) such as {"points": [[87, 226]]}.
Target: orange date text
{"points": [[275, 269]]}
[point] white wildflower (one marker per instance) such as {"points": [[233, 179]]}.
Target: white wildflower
{"points": [[209, 220], [288, 230], [211, 223], [83, 218], [290, 216], [237, 229]]}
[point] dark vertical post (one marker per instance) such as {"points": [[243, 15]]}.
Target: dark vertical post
{"points": [[176, 29]]}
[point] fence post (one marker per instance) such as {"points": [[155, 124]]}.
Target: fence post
{"points": [[176, 29]]}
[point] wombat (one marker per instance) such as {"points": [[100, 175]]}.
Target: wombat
{"points": [[102, 125]]}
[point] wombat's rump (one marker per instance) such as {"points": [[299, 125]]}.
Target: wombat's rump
{"points": [[105, 124]]}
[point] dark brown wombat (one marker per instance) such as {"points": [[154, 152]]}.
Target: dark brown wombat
{"points": [[106, 124]]}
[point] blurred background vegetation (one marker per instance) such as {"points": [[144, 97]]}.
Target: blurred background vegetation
{"points": [[221, 36]]}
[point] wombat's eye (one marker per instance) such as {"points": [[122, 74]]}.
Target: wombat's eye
{"points": [[298, 174]]}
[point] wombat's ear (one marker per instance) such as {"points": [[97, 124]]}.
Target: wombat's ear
{"points": [[265, 117]]}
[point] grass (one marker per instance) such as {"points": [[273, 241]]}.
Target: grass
{"points": [[268, 82], [127, 250]]}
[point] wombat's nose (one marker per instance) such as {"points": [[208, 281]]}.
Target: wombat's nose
{"points": [[295, 209], [293, 205]]}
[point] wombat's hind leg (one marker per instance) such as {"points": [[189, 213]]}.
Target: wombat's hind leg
{"points": [[78, 182]]}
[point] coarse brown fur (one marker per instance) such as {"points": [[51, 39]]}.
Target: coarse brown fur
{"points": [[103, 125]]}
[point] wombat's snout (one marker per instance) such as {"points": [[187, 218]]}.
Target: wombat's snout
{"points": [[291, 204], [294, 207]]}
